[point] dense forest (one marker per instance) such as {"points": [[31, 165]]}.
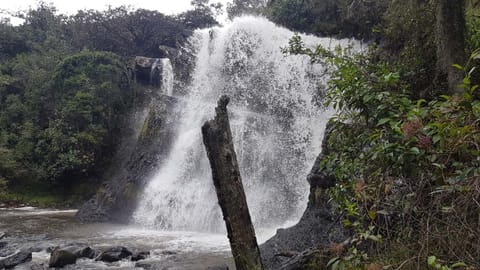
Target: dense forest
{"points": [[65, 88], [403, 147]]}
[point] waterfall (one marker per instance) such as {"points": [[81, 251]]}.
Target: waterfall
{"points": [[161, 75], [277, 125], [167, 77], [155, 72]]}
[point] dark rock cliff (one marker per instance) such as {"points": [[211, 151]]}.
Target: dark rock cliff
{"points": [[145, 147], [116, 198]]}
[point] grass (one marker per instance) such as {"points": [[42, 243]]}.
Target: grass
{"points": [[42, 196]]}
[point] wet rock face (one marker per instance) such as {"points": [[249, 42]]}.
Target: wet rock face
{"points": [[223, 267], [116, 199], [114, 254], [147, 71], [62, 257], [318, 228], [80, 251], [16, 259], [140, 255]]}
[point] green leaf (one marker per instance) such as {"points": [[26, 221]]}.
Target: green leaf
{"points": [[438, 165], [332, 261], [474, 88], [415, 150], [372, 214], [457, 66], [374, 238], [383, 121], [431, 260], [459, 264]]}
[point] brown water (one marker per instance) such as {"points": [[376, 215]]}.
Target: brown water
{"points": [[39, 229]]}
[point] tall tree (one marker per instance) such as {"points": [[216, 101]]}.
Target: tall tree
{"points": [[240, 7], [450, 40]]}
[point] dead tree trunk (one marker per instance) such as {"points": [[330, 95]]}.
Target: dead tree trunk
{"points": [[217, 138], [450, 39]]}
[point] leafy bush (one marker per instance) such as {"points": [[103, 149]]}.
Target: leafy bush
{"points": [[410, 168], [60, 125]]}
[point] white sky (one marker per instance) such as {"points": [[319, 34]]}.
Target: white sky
{"points": [[70, 7]]}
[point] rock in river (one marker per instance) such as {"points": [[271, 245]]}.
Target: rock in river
{"points": [[114, 254], [62, 257], [80, 251], [141, 255], [16, 259]]}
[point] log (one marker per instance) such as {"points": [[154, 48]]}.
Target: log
{"points": [[217, 137]]}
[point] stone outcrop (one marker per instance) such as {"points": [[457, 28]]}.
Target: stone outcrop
{"points": [[140, 255], [61, 258], [15, 259], [147, 71], [317, 230], [114, 254], [116, 198]]}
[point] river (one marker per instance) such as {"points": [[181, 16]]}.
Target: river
{"points": [[37, 230]]}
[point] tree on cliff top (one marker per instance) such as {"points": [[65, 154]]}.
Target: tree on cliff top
{"points": [[202, 15], [241, 7]]}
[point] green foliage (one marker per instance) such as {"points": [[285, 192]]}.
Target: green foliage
{"points": [[402, 164], [125, 31], [202, 15], [57, 126], [344, 18], [64, 87], [93, 95], [434, 263], [11, 41], [242, 7], [473, 26], [300, 15], [407, 31]]}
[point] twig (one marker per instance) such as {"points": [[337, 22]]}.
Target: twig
{"points": [[403, 263]]}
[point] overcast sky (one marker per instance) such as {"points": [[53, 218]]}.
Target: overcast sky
{"points": [[71, 6]]}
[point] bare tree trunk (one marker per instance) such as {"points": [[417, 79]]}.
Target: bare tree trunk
{"points": [[217, 138], [450, 39]]}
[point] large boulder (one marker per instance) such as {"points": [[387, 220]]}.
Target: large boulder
{"points": [[16, 259], [61, 258], [80, 251], [140, 255], [114, 254], [145, 265], [318, 228]]}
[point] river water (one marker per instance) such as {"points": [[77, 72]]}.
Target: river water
{"points": [[39, 229]]}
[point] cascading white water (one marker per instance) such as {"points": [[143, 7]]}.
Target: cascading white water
{"points": [[276, 122], [167, 77], [154, 70], [161, 74]]}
